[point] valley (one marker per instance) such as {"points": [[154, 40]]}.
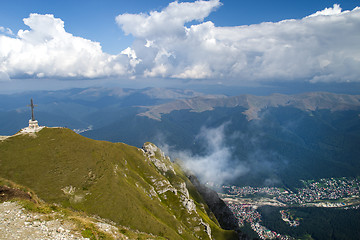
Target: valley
{"points": [[246, 202], [267, 142]]}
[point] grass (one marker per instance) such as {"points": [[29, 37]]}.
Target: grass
{"points": [[39, 208], [84, 224], [58, 159]]}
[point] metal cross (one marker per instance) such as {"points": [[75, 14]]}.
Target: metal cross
{"points": [[32, 110]]}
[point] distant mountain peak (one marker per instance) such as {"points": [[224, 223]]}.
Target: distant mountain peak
{"points": [[254, 104]]}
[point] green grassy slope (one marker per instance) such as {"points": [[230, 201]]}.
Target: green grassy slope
{"points": [[112, 180], [81, 224]]}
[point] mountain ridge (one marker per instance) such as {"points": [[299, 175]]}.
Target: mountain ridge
{"points": [[306, 101], [137, 188], [81, 108], [276, 140]]}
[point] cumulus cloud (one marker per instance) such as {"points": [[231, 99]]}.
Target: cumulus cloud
{"points": [[177, 43], [47, 50], [324, 46], [169, 22], [336, 9]]}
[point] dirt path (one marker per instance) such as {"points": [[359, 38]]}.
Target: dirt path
{"points": [[3, 138], [17, 223]]}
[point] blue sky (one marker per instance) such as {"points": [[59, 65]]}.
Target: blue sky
{"points": [[178, 51], [95, 19]]}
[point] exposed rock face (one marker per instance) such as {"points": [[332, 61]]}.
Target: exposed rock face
{"points": [[163, 186], [186, 201], [164, 165], [157, 157], [183, 189], [207, 228]]}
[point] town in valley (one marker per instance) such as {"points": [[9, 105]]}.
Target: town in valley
{"points": [[325, 193]]}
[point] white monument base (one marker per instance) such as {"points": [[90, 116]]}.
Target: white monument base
{"points": [[33, 127], [33, 124]]}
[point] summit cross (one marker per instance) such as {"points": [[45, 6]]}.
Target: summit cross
{"points": [[32, 109]]}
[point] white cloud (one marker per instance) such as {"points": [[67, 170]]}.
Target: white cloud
{"points": [[196, 72], [47, 50], [322, 47], [169, 22], [132, 56], [336, 9], [218, 165], [7, 31]]}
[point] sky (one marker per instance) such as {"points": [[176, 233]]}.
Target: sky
{"points": [[62, 44]]}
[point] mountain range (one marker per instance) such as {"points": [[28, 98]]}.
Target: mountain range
{"points": [[81, 108], [255, 104], [263, 140], [270, 140]]}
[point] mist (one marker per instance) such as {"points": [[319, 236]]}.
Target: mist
{"points": [[230, 157], [217, 165]]}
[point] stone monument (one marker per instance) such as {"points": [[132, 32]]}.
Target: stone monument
{"points": [[33, 124]]}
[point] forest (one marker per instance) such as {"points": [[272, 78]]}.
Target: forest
{"points": [[315, 223]]}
